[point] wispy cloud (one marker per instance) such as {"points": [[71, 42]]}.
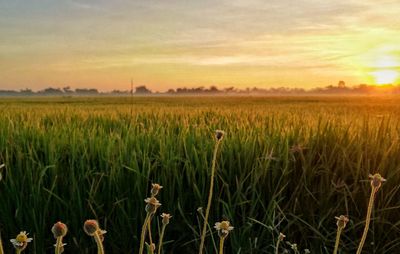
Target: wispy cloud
{"points": [[182, 40]]}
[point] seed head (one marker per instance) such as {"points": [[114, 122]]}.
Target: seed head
{"points": [[281, 237], [341, 221], [376, 180], [155, 189], [165, 218], [294, 246], [219, 135], [21, 241], [91, 227], [152, 205], [59, 229], [152, 248], [223, 228]]}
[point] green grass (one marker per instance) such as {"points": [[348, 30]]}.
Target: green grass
{"points": [[73, 159]]}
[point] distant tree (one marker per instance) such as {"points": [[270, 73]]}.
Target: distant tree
{"points": [[119, 92], [142, 90], [87, 91], [51, 91], [67, 90], [230, 90], [26, 92], [213, 89], [341, 84]]}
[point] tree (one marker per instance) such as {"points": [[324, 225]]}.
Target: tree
{"points": [[142, 90]]}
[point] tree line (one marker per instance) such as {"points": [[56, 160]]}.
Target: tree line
{"points": [[341, 88]]}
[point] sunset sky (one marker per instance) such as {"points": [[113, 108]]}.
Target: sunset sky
{"points": [[169, 43]]}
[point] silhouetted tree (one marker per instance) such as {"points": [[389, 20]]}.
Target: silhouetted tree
{"points": [[142, 90]]}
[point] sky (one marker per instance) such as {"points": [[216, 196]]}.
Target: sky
{"points": [[169, 43]]}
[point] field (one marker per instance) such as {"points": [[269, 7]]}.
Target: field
{"points": [[286, 164]]}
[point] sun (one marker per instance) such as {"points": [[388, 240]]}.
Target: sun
{"points": [[383, 77], [384, 70]]}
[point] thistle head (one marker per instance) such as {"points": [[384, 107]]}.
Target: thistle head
{"points": [[152, 204], [92, 228], [165, 218], [376, 180], [21, 241], [219, 135], [341, 221], [59, 229], [223, 228], [155, 189]]}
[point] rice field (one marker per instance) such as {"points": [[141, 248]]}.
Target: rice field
{"points": [[286, 164]]}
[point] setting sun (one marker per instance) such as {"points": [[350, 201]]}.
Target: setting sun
{"points": [[385, 76], [384, 67]]}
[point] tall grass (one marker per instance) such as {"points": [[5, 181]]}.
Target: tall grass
{"points": [[290, 165]]}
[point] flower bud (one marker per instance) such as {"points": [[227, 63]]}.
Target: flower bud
{"points": [[91, 227], [59, 229]]}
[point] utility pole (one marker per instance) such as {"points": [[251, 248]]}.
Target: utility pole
{"points": [[131, 98]]}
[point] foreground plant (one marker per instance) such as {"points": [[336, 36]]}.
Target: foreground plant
{"points": [[1, 177], [219, 135], [21, 241], [152, 204], [341, 222], [281, 237], [165, 221], [1, 247], [155, 189], [59, 231], [223, 228], [1, 242], [376, 183], [92, 228]]}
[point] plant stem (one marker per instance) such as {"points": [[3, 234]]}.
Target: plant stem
{"points": [[149, 230], [277, 246], [367, 220], [161, 239], [143, 235], [17, 251], [339, 232], [210, 194], [221, 245], [1, 247], [210, 229], [58, 245], [99, 242]]}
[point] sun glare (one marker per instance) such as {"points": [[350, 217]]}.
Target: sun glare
{"points": [[385, 70], [385, 76]]}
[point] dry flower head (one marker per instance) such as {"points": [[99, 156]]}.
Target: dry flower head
{"points": [[223, 228], [155, 189], [341, 221], [376, 180], [21, 240], [152, 205], [165, 218]]}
